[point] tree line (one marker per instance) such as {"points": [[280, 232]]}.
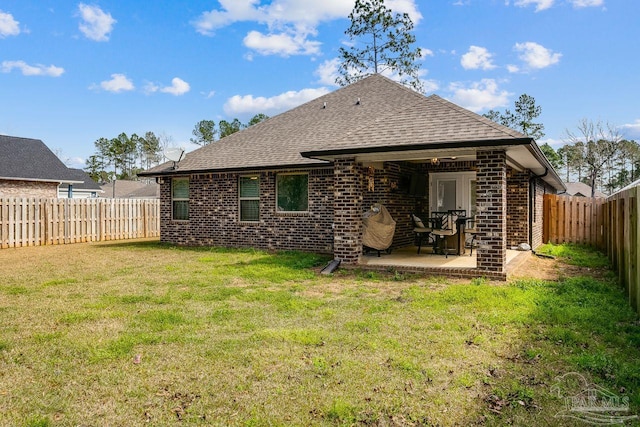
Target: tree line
{"points": [[125, 155], [594, 154]]}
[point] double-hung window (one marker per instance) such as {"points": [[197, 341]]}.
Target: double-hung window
{"points": [[249, 195], [292, 192], [180, 198]]}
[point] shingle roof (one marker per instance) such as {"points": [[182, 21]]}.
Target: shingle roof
{"points": [[387, 115], [131, 189], [87, 182], [30, 159], [581, 189]]}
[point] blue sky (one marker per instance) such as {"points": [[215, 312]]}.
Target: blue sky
{"points": [[72, 72]]}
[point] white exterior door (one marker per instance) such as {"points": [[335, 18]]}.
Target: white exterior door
{"points": [[453, 190]]}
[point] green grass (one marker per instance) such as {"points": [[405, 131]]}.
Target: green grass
{"points": [[143, 333]]}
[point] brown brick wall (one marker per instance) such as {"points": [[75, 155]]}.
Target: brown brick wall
{"points": [[492, 203], [44, 190], [540, 189], [517, 207], [348, 211], [214, 214]]}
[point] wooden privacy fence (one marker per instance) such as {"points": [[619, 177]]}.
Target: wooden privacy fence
{"points": [[622, 224], [34, 222], [573, 219]]}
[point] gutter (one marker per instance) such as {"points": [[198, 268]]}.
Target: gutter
{"points": [[59, 181]]}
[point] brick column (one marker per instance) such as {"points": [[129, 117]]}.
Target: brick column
{"points": [[491, 218], [347, 211]]}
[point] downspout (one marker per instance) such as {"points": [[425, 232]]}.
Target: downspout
{"points": [[532, 201]]}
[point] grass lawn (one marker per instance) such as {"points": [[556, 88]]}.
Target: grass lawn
{"points": [[141, 333]]}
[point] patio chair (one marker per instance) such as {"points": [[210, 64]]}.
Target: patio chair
{"points": [[471, 230], [422, 231], [448, 227]]}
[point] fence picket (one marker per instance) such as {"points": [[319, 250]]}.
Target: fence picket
{"points": [[35, 222]]}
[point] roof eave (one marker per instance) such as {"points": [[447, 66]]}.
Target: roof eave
{"points": [[58, 181], [330, 154], [182, 172]]}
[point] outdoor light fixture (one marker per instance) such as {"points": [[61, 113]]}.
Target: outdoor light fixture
{"points": [[435, 161]]}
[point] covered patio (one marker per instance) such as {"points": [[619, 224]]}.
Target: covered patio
{"points": [[407, 259]]}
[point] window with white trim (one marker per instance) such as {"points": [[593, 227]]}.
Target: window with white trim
{"points": [[180, 198], [292, 192], [249, 198]]}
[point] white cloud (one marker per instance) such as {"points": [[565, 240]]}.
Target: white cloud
{"points": [[8, 25], [118, 83], [425, 52], [587, 3], [631, 130], [479, 95], [291, 23], [281, 44], [209, 95], [31, 70], [430, 85], [328, 72], [96, 24], [477, 57], [248, 104], [540, 4], [536, 56], [513, 68], [178, 87]]}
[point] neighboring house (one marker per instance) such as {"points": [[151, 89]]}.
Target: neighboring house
{"points": [[125, 189], [28, 168], [86, 189], [303, 179], [581, 189]]}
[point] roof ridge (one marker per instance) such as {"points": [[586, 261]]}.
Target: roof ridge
{"points": [[497, 126]]}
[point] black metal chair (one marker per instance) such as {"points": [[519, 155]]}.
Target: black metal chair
{"points": [[445, 224], [422, 231], [471, 230]]}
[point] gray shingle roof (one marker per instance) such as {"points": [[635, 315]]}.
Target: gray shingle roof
{"points": [[581, 189], [131, 189], [388, 115], [31, 160], [86, 182]]}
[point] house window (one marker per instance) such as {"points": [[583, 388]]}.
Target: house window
{"points": [[180, 198], [292, 193], [249, 198]]}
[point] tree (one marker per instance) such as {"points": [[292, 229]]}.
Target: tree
{"points": [[227, 128], [599, 144], [95, 168], [204, 132], [572, 160], [150, 151], [554, 158], [386, 40], [257, 119], [522, 118]]}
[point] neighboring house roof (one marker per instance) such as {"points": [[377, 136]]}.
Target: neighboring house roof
{"points": [[374, 114], [28, 159], [86, 182], [581, 189], [131, 189]]}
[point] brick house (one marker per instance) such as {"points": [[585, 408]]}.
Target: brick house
{"points": [[28, 168], [303, 179]]}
